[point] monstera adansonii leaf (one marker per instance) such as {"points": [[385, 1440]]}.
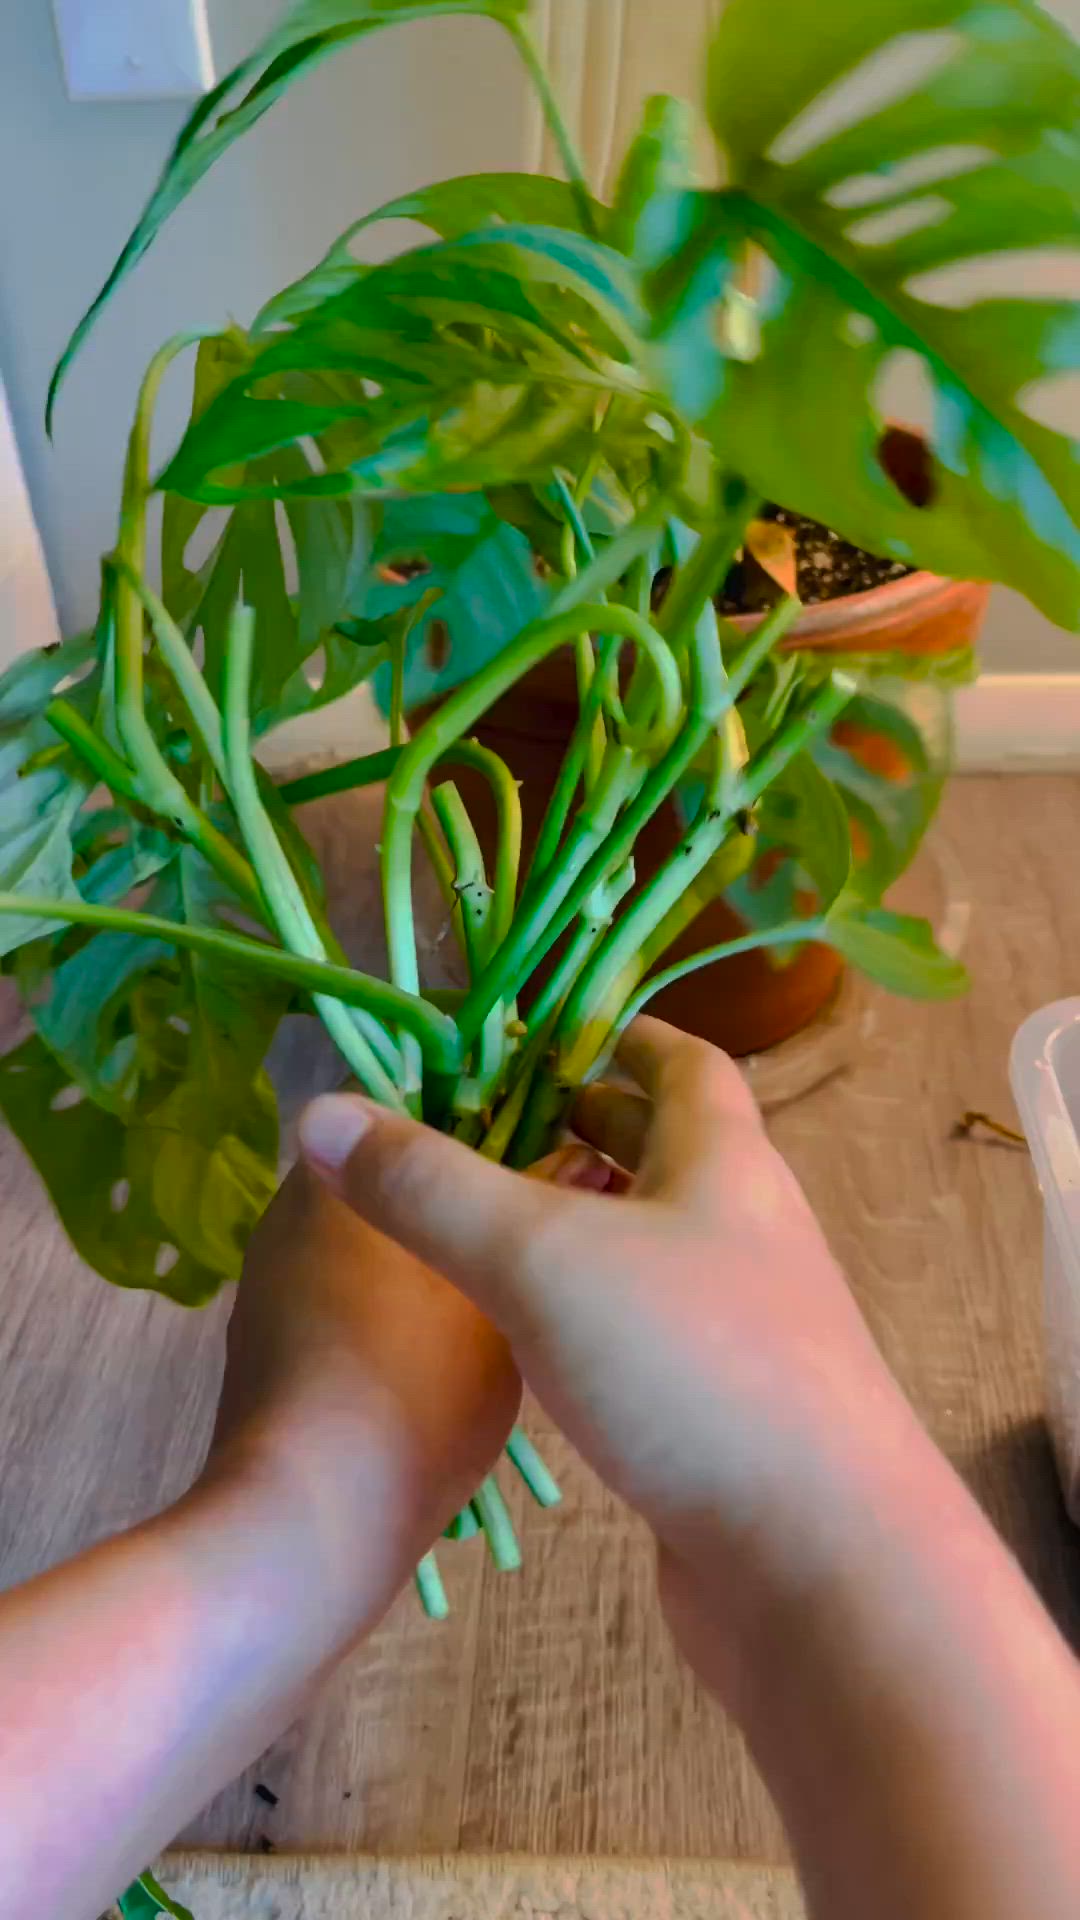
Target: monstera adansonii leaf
{"points": [[976, 155], [311, 31]]}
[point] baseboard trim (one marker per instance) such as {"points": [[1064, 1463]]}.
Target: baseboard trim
{"points": [[1005, 723], [1019, 723]]}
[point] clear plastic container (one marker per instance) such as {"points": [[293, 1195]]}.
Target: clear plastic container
{"points": [[1045, 1072]]}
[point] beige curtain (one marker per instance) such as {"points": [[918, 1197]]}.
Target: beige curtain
{"points": [[606, 56]]}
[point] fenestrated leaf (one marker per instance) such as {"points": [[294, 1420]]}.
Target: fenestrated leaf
{"points": [[1001, 497], [449, 208], [889, 772], [657, 165], [221, 359], [38, 803], [31, 681], [489, 588], [345, 664], [310, 32], [803, 813], [175, 1139], [147, 1899], [81, 1006], [686, 294], [207, 1152], [895, 949], [560, 315], [116, 1231], [116, 853], [331, 540]]}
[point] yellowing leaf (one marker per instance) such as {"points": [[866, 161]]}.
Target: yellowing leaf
{"points": [[772, 545]]}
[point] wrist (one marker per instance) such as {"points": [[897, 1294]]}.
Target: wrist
{"points": [[817, 1541], [333, 1510]]}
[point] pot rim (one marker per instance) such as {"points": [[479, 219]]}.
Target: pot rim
{"points": [[912, 595]]}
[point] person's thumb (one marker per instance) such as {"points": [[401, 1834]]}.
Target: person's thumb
{"points": [[459, 1213]]}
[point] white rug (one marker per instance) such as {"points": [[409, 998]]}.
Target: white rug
{"points": [[332, 1887]]}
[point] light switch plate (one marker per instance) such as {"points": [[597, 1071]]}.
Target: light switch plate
{"points": [[134, 49]]}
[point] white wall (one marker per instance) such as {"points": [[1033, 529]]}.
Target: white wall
{"points": [[382, 118]]}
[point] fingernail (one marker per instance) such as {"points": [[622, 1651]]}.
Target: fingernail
{"points": [[332, 1126], [581, 1168]]}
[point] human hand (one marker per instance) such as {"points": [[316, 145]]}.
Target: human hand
{"points": [[695, 1338], [371, 1391], [821, 1567]]}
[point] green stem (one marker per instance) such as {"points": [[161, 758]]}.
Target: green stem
{"points": [[570, 776], [474, 913], [733, 859], [575, 535], [431, 1590], [464, 1526], [522, 1127], [181, 663], [594, 1004], [571, 159], [397, 691], [546, 1111], [569, 504], [98, 755], [532, 936], [159, 788], [368, 771], [700, 577], [544, 915], [435, 1031], [474, 896], [815, 719], [791, 933], [495, 1143], [541, 1483], [464, 707], [365, 1044], [614, 558], [493, 1514], [508, 825]]}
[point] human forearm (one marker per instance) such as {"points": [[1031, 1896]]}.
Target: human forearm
{"points": [[136, 1681], [139, 1679], [912, 1708]]}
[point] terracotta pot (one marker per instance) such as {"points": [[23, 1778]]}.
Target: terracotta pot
{"points": [[747, 1003]]}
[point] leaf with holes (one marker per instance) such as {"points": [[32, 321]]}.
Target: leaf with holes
{"points": [[147, 1900], [448, 208], [803, 813], [560, 320], [896, 950], [114, 1227], [166, 1051], [975, 157], [81, 1005], [42, 786], [309, 34], [803, 849], [487, 580], [887, 758], [331, 541]]}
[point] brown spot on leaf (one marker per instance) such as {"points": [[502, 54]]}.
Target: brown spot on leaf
{"points": [[437, 645], [909, 463]]}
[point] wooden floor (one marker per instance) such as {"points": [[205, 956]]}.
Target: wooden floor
{"points": [[550, 1714]]}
